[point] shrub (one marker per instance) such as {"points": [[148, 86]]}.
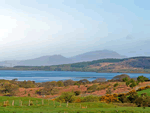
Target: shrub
{"points": [[9, 88], [125, 79], [116, 84], [66, 97], [77, 93], [92, 88], [78, 100], [124, 99], [121, 94], [47, 91], [133, 84], [133, 97], [90, 98], [60, 84], [83, 81], [142, 78], [120, 77], [38, 92], [127, 83], [26, 84], [108, 98], [54, 91], [98, 80], [115, 95], [68, 82], [132, 92], [108, 91], [29, 95]]}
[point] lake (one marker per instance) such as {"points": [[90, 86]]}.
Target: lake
{"points": [[43, 76]]}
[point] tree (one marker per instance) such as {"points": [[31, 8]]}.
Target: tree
{"points": [[125, 79], [67, 97], [60, 84], [68, 82], [142, 78], [10, 89], [83, 81]]}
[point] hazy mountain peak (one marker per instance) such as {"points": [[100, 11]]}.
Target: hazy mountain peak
{"points": [[58, 59], [95, 55]]}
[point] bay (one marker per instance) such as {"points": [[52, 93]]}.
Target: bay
{"points": [[43, 76]]}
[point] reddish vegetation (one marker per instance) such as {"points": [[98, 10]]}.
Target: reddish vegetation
{"points": [[122, 88]]}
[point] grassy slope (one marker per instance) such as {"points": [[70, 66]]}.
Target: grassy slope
{"points": [[96, 107], [144, 91]]}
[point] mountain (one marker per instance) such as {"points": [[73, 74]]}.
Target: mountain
{"points": [[46, 61], [59, 59], [41, 61], [95, 55]]}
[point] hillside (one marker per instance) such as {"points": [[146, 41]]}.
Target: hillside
{"points": [[127, 65]]}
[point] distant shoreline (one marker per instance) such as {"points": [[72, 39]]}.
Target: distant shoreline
{"points": [[72, 71]]}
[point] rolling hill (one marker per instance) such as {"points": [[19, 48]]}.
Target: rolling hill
{"points": [[127, 65]]}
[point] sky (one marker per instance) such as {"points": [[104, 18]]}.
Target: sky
{"points": [[34, 28]]}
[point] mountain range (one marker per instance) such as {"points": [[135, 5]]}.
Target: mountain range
{"points": [[59, 59]]}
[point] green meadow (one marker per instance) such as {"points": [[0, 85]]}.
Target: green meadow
{"points": [[147, 91], [49, 106]]}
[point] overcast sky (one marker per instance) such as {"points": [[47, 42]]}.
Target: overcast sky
{"points": [[34, 28]]}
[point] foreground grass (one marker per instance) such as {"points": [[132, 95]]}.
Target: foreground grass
{"points": [[54, 107], [144, 91]]}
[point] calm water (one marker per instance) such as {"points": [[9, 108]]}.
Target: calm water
{"points": [[43, 76]]}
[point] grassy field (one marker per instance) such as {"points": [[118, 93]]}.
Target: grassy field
{"points": [[144, 91], [54, 107]]}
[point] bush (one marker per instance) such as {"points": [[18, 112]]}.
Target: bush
{"points": [[66, 97], [133, 84], [92, 88], [78, 100], [77, 93], [9, 88], [116, 84], [120, 77], [26, 84], [124, 99], [90, 98], [142, 78], [133, 97], [109, 98], [83, 81], [47, 91], [127, 83], [54, 91], [68, 82], [60, 84], [108, 91], [125, 79], [98, 80], [29, 95]]}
